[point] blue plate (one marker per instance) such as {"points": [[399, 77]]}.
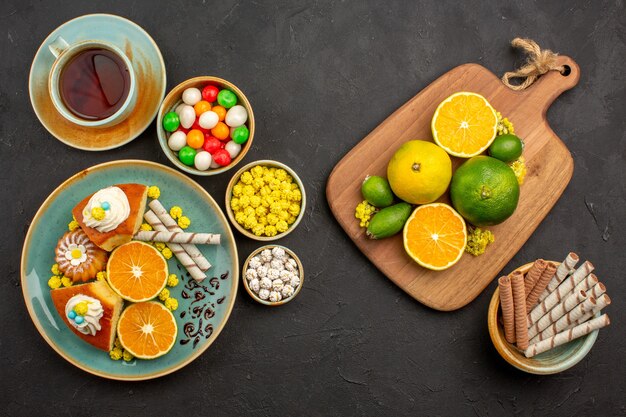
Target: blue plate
{"points": [[200, 316], [149, 70]]}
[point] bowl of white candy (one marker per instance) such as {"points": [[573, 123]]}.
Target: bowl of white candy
{"points": [[273, 275]]}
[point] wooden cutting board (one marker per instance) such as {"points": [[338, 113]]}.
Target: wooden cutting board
{"points": [[549, 164]]}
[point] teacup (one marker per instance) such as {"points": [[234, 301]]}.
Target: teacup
{"points": [[117, 99]]}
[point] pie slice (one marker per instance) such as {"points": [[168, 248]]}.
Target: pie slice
{"points": [[124, 232], [90, 308]]}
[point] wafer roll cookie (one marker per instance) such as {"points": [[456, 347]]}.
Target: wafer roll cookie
{"points": [[597, 290], [601, 303], [176, 249], [564, 268], [519, 303], [560, 293], [508, 309], [172, 226], [568, 335], [540, 285], [567, 320], [178, 237], [556, 313], [533, 275]]}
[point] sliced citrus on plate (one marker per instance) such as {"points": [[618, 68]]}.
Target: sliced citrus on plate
{"points": [[435, 236], [137, 271], [147, 330], [464, 124]]}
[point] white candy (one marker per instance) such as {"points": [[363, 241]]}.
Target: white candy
{"points": [[215, 165], [179, 108], [279, 253], [275, 297], [208, 119], [255, 286], [202, 160], [273, 274], [285, 276], [287, 291], [289, 266], [264, 294], [277, 285], [255, 262], [261, 271], [236, 116], [233, 149], [295, 281], [187, 116], [177, 141], [293, 262], [191, 96], [266, 283], [266, 255], [277, 264], [251, 274]]}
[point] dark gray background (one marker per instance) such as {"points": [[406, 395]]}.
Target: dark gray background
{"points": [[321, 75]]}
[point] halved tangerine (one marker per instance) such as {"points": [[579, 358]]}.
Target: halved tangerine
{"points": [[464, 124], [147, 330], [137, 271], [435, 236]]}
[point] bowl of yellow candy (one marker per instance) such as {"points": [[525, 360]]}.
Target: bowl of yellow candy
{"points": [[265, 200]]}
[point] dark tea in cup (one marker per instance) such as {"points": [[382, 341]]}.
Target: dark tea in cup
{"points": [[94, 83]]}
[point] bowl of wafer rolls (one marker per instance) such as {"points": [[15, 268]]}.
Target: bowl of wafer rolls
{"points": [[545, 316]]}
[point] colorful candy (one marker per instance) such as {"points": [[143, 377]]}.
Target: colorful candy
{"points": [[209, 93], [236, 116], [170, 121], [187, 116], [191, 96], [227, 99], [177, 140], [240, 134], [208, 128], [187, 155], [208, 120], [202, 160]]}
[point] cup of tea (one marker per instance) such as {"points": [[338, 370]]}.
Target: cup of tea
{"points": [[91, 83]]}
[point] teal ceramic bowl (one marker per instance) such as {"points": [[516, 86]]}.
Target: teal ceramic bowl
{"points": [[197, 328], [553, 361]]}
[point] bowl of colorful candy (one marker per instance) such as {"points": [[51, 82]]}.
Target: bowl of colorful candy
{"points": [[265, 200], [205, 125]]}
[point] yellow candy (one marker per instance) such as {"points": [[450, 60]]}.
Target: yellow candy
{"points": [[159, 245], [55, 269], [127, 356], [258, 230], [246, 178], [249, 211], [176, 212], [280, 174], [171, 303], [164, 294], [66, 282], [275, 194], [248, 190], [81, 308], [282, 226], [101, 276], [172, 280], [291, 220], [258, 183], [294, 187], [184, 222], [146, 227], [257, 171], [154, 192], [261, 211], [272, 218], [294, 209], [98, 213], [167, 253], [234, 204], [116, 354], [244, 201], [238, 189], [240, 217], [284, 204], [54, 282], [262, 220], [255, 201], [270, 231], [283, 215], [275, 208]]}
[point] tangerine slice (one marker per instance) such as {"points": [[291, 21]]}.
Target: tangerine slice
{"points": [[137, 271], [147, 330], [435, 236], [464, 124]]}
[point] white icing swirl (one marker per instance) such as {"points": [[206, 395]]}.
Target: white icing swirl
{"points": [[91, 323], [117, 212]]}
